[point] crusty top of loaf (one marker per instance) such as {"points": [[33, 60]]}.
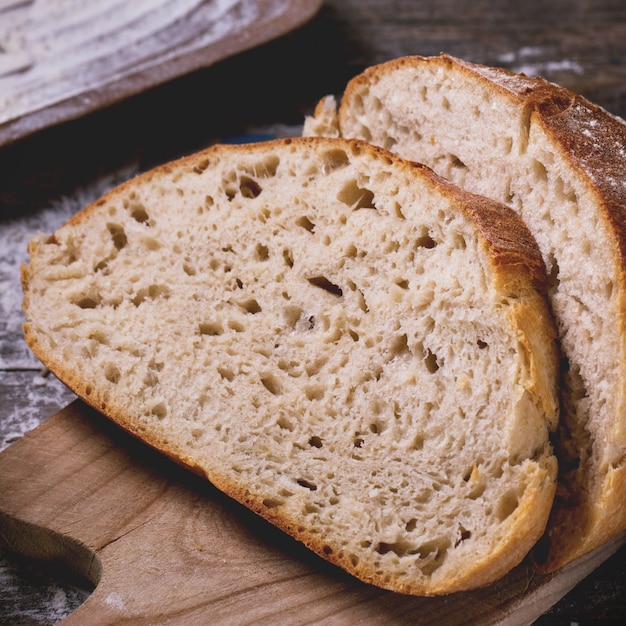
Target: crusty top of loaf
{"points": [[349, 345], [590, 137]]}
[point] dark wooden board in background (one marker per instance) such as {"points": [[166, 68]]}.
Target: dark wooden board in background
{"points": [[63, 59]]}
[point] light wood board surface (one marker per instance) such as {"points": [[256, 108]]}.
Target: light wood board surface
{"points": [[163, 546]]}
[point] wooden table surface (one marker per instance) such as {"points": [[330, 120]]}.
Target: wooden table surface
{"points": [[262, 92]]}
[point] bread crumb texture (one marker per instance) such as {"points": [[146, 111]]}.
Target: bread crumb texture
{"points": [[314, 325]]}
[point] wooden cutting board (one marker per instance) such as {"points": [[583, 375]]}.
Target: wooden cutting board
{"points": [[60, 59], [163, 546]]}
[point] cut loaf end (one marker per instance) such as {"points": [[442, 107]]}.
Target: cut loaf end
{"points": [[560, 162], [339, 339]]}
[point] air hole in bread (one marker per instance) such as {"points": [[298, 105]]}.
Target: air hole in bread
{"points": [[481, 344], [291, 368], [210, 328], [101, 266], [261, 252], [389, 142], [288, 257], [333, 160], [151, 293], [323, 283], [315, 366], [307, 484], [159, 410], [197, 433], [403, 283], [151, 379], [99, 337], [376, 428], [508, 503], [151, 243], [250, 306], [87, 302], [201, 166], [459, 242], [400, 345], [399, 548], [433, 552], [189, 269], [226, 373], [539, 170], [235, 325], [310, 508], [267, 167], [249, 188], [553, 272], [477, 490], [390, 246], [358, 442], [315, 442], [285, 423], [564, 190], [425, 241], [431, 361], [292, 315], [138, 212], [464, 535], [456, 162], [272, 384], [112, 373], [356, 197], [306, 223], [118, 235], [230, 189], [272, 503], [314, 392]]}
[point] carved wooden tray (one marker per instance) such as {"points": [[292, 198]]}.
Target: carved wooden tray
{"points": [[60, 59]]}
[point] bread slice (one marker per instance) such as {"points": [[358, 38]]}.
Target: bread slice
{"points": [[352, 347], [560, 162]]}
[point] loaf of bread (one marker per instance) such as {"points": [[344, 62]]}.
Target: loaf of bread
{"points": [[339, 339], [560, 162]]}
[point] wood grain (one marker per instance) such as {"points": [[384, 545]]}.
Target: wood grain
{"points": [[60, 59], [163, 546]]}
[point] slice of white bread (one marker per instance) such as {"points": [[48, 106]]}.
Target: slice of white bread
{"points": [[560, 162], [349, 345]]}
